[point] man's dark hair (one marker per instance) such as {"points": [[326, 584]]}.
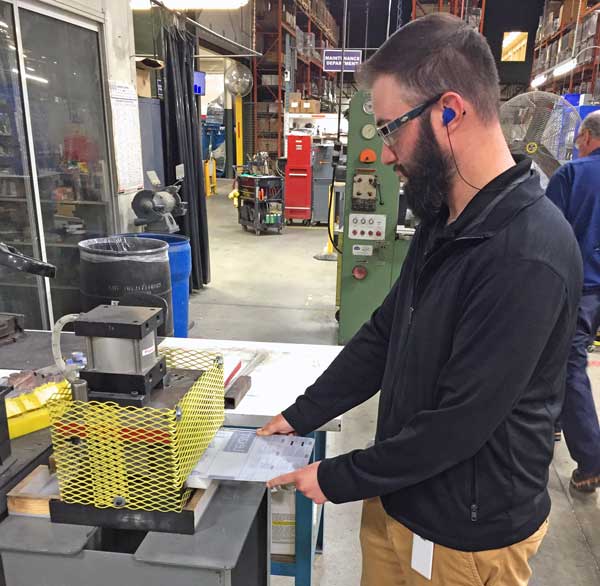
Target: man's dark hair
{"points": [[436, 54]]}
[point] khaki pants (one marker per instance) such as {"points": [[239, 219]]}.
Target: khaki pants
{"points": [[387, 550]]}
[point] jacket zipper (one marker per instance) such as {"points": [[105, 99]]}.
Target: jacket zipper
{"points": [[474, 491]]}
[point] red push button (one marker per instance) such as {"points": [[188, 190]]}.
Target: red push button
{"points": [[362, 232], [370, 232], [378, 233], [359, 272], [354, 232]]}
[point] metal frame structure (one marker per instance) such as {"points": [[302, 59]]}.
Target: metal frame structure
{"points": [[582, 71], [92, 22], [277, 39], [309, 537], [455, 7]]}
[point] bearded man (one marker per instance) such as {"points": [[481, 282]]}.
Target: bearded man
{"points": [[469, 349]]}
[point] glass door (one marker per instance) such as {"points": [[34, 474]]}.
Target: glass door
{"points": [[19, 292], [66, 109]]}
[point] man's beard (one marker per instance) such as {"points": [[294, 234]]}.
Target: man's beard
{"points": [[428, 176]]}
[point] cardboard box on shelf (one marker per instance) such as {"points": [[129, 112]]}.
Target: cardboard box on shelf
{"points": [[274, 108], [311, 106], [568, 12], [270, 79], [272, 57], [263, 125], [299, 40], [294, 99], [267, 145], [262, 106], [143, 83]]}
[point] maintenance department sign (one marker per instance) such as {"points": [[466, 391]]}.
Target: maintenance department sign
{"points": [[332, 59]]}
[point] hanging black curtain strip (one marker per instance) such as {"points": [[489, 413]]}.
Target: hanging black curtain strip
{"points": [[182, 134]]}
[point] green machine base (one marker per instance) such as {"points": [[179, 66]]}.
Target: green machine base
{"points": [[373, 251]]}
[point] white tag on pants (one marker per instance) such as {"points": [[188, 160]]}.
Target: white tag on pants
{"points": [[422, 556]]}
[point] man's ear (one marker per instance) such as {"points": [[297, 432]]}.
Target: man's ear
{"points": [[587, 136]]}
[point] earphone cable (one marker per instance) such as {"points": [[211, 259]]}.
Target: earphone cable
{"points": [[456, 163]]}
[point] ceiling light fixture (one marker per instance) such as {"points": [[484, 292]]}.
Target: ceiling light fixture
{"points": [[510, 37], [191, 4], [539, 80], [565, 68], [31, 77]]}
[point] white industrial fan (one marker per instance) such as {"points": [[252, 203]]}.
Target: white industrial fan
{"points": [[542, 126]]}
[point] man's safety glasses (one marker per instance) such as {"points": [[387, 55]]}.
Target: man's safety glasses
{"points": [[386, 131]]}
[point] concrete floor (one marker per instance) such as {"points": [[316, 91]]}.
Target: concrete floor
{"points": [[269, 288], [265, 288]]}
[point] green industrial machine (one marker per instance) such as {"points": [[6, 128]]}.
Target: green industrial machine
{"points": [[375, 241]]}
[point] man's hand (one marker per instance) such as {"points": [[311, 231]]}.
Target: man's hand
{"points": [[277, 426], [306, 482]]}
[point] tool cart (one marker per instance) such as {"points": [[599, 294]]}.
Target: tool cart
{"points": [[261, 202]]}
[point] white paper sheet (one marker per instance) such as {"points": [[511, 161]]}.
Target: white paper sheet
{"points": [[127, 136], [239, 454]]}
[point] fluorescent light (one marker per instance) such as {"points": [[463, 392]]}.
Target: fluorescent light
{"points": [[3, 24], [564, 68], [539, 80], [36, 78], [31, 77], [191, 4]]}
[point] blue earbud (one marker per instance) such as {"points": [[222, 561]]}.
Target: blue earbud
{"points": [[448, 115]]}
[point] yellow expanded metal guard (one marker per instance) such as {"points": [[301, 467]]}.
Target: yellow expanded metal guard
{"points": [[137, 458]]}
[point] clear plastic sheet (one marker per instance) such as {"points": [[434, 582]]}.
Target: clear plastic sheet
{"points": [[123, 248]]}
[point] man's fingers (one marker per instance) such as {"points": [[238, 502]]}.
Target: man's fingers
{"points": [[268, 429], [277, 425], [289, 478]]}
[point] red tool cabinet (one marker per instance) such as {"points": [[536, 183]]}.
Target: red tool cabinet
{"points": [[298, 178]]}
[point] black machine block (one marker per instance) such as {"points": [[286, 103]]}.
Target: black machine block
{"points": [[119, 321], [117, 383], [122, 399], [163, 522]]}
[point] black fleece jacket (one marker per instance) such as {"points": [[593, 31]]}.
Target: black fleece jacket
{"points": [[469, 351]]}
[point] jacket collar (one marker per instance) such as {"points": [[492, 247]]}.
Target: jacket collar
{"points": [[522, 191]]}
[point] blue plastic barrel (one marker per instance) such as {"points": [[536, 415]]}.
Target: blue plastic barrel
{"points": [[180, 263]]}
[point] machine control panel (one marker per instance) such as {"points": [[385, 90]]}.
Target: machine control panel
{"points": [[366, 226], [364, 192]]}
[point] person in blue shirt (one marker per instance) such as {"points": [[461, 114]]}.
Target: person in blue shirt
{"points": [[575, 189]]}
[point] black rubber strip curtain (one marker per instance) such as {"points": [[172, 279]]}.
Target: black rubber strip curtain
{"points": [[182, 138]]}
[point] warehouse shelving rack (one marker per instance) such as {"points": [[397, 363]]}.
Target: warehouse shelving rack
{"points": [[278, 38], [460, 8], [584, 78]]}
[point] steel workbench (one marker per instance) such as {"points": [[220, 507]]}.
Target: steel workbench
{"points": [[276, 382]]}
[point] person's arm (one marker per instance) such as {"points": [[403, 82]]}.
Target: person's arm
{"points": [[504, 328], [559, 188], [356, 373], [353, 377]]}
